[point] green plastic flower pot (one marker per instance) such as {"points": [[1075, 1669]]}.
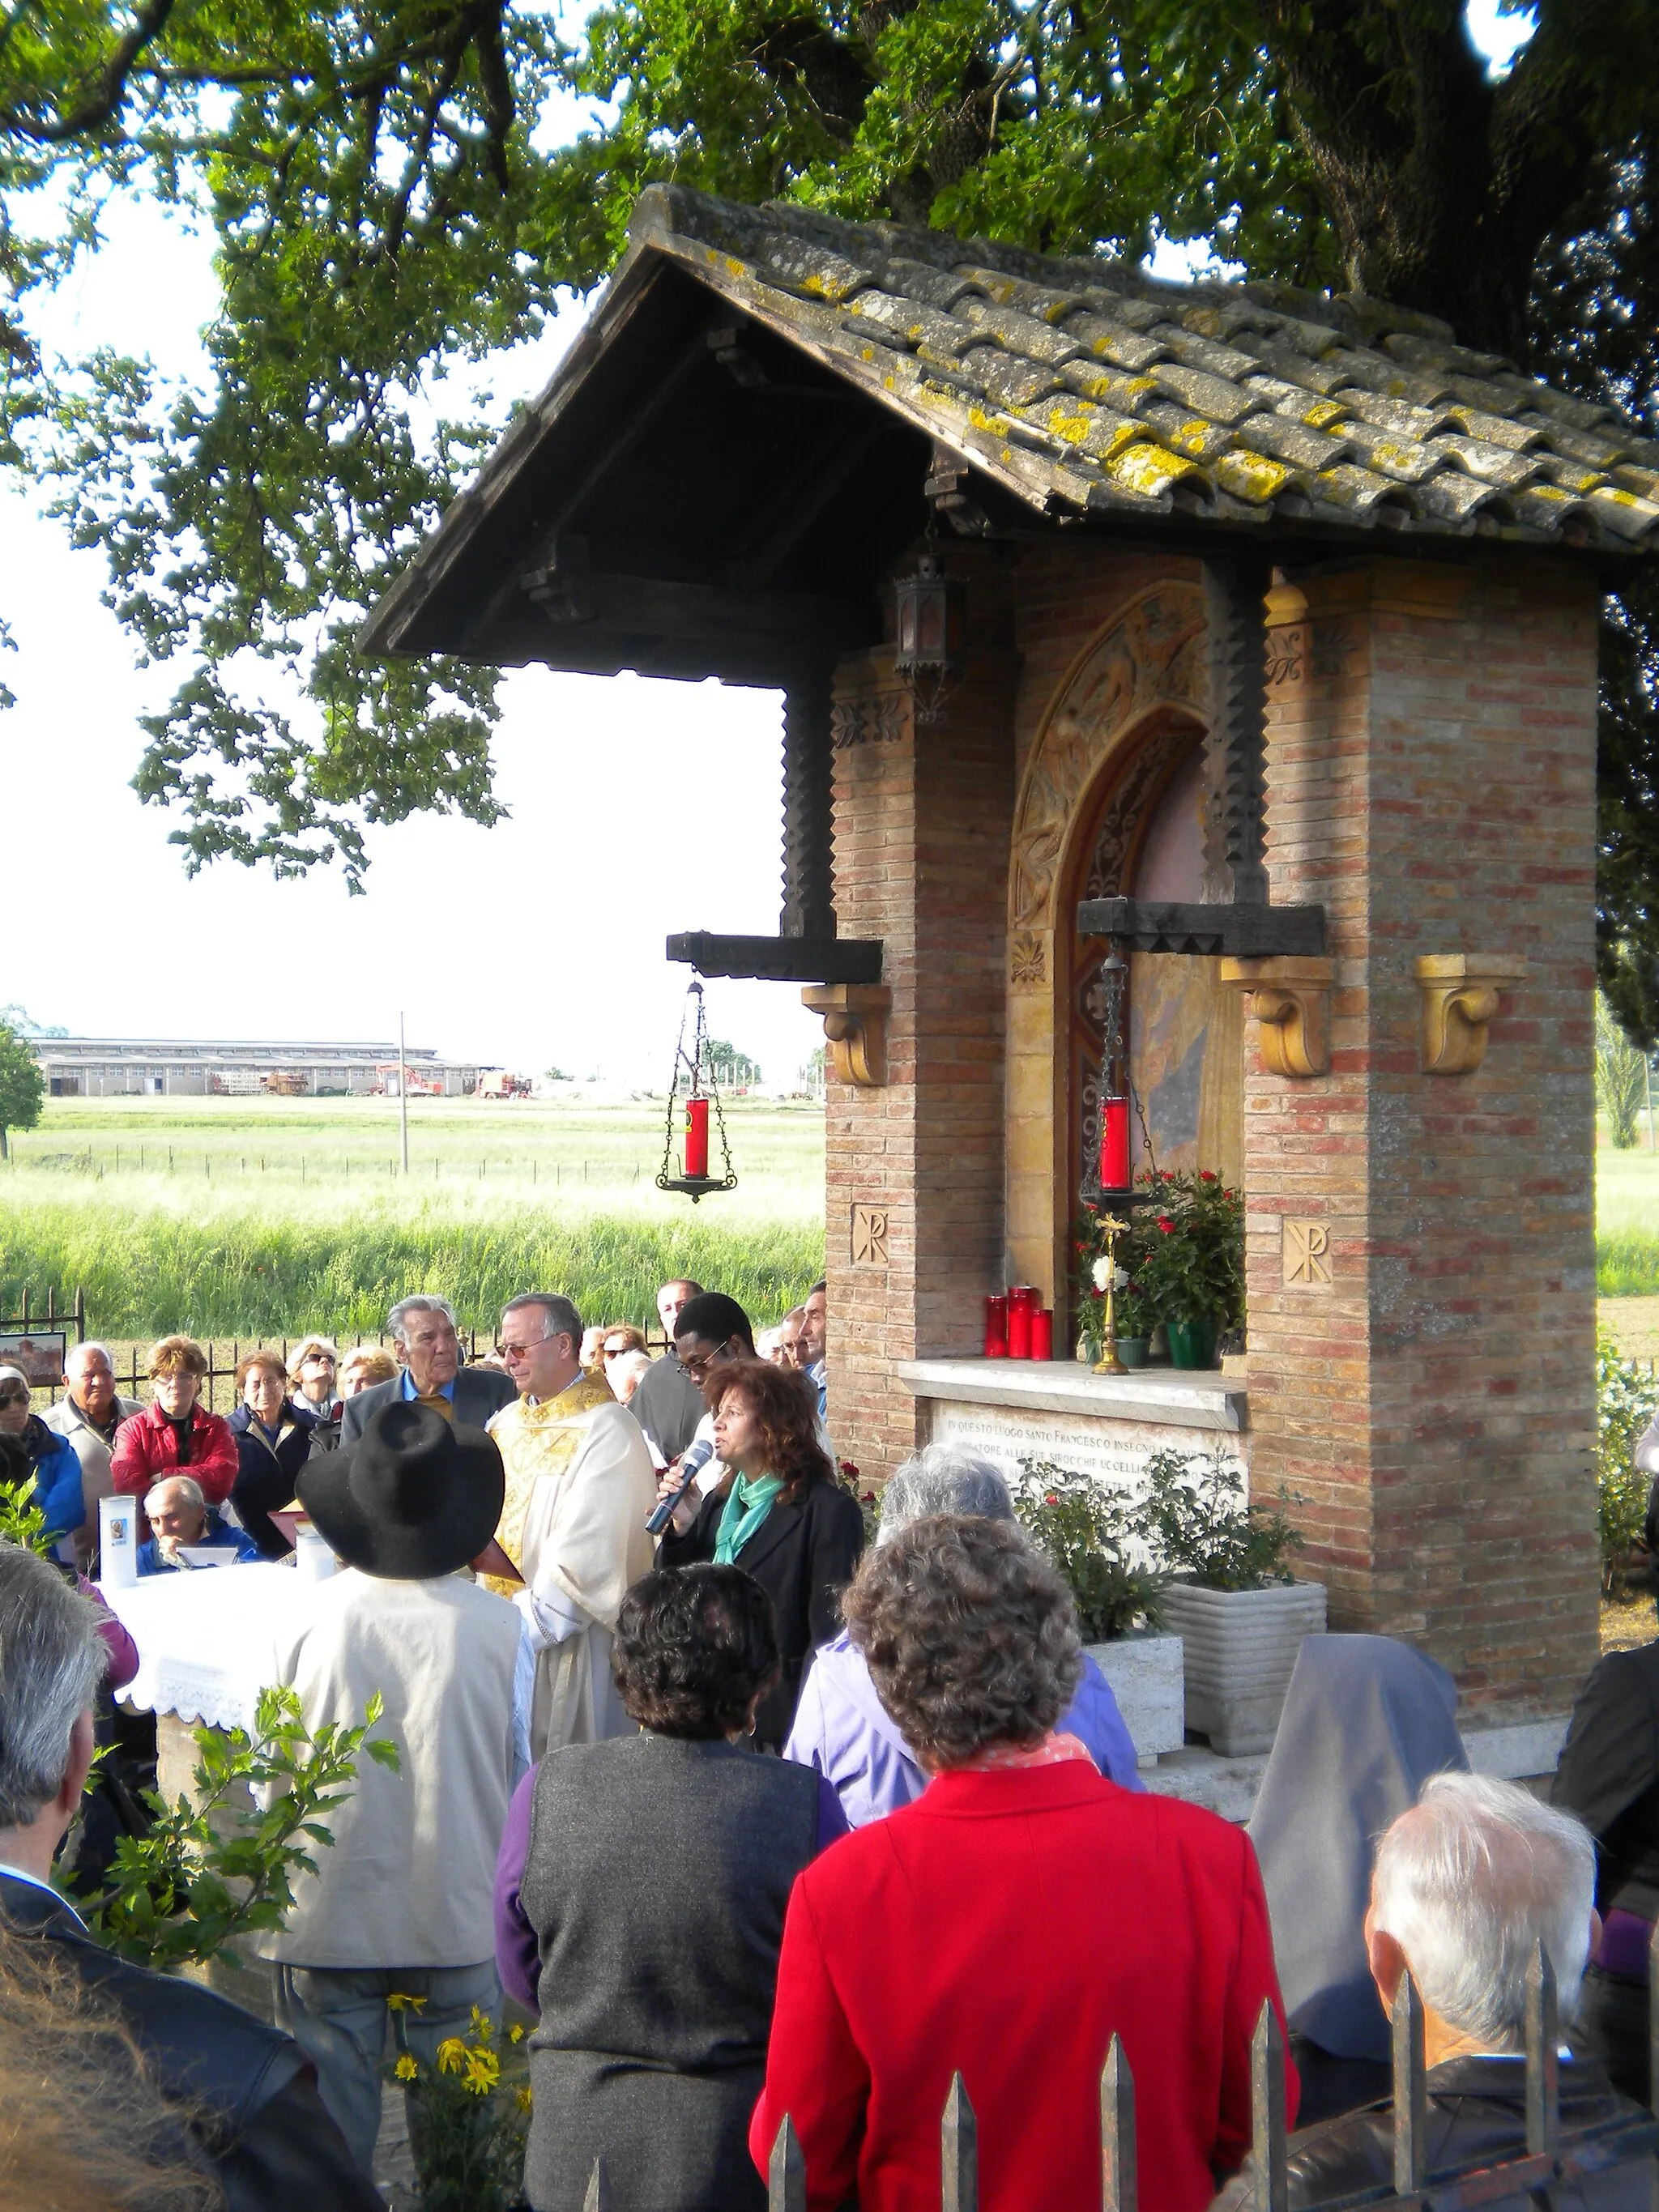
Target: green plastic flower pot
{"points": [[1192, 1343], [1132, 1350]]}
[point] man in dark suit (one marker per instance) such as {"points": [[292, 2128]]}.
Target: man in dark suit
{"points": [[250, 2091], [429, 1350]]}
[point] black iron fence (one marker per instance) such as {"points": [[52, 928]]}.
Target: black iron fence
{"points": [[1547, 2158]]}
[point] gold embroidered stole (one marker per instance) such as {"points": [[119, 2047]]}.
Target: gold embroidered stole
{"points": [[535, 1441]]}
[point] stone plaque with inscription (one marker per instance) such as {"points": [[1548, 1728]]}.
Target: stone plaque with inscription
{"points": [[1113, 1452]]}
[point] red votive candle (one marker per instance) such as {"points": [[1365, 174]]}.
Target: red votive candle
{"points": [[1115, 1144], [996, 1327], [1021, 1299], [696, 1136], [1043, 1332]]}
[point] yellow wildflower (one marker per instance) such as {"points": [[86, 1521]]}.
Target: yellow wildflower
{"points": [[515, 2034], [522, 2094], [483, 2027], [405, 2069], [452, 2056], [397, 2002], [483, 2071]]}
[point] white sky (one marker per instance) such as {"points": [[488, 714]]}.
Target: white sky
{"points": [[637, 808]]}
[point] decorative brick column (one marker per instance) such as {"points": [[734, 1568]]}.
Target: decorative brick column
{"points": [[913, 1195], [1421, 1261]]}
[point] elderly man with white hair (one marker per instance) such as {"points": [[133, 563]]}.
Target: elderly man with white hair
{"points": [[87, 1416], [841, 1726], [181, 1522], [428, 1348], [1467, 1882]]}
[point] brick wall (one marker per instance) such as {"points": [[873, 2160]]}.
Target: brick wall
{"points": [[1432, 778], [921, 828]]}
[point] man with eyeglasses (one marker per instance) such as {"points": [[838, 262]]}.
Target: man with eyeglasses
{"points": [[572, 1533], [668, 1404]]}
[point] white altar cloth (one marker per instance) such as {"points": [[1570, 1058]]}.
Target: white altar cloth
{"points": [[207, 1641]]}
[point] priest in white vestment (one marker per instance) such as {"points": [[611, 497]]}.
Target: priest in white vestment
{"points": [[579, 1489]]}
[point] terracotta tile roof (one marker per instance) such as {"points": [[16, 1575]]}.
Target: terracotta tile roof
{"points": [[1086, 386]]}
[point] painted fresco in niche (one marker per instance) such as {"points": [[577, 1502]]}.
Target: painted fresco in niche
{"points": [[1186, 1033]]}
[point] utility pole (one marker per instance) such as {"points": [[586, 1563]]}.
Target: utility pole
{"points": [[403, 1089]]}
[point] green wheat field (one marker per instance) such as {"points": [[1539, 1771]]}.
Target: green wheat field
{"points": [[267, 1216]]}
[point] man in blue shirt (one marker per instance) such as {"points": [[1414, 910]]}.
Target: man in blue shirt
{"points": [[180, 1516]]}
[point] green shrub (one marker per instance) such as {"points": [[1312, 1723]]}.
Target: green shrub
{"points": [[1196, 1520], [1627, 1398], [1086, 1530]]}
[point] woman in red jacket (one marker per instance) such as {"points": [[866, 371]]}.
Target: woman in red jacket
{"points": [[1009, 1922], [174, 1434]]}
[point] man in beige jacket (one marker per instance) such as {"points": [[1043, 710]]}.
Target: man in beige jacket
{"points": [[400, 1904]]}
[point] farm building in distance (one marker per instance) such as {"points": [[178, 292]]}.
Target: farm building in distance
{"points": [[129, 1067]]}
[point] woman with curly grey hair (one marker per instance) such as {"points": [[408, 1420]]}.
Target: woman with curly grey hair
{"points": [[1012, 1920]]}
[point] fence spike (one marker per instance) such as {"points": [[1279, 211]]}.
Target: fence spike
{"points": [[598, 2199], [1543, 2058], [1118, 2183], [1411, 2099], [958, 2152], [786, 2172], [1267, 2112]]}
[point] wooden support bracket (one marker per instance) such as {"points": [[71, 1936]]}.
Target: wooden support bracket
{"points": [[1290, 999], [1459, 997], [855, 1028]]}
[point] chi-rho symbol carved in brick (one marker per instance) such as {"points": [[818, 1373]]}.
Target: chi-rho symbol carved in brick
{"points": [[1307, 1253], [870, 1235]]}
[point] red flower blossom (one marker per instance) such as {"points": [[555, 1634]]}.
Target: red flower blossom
{"points": [[1048, 1498], [1166, 1224], [1206, 1175]]}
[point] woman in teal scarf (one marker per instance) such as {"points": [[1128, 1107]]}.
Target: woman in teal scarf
{"points": [[780, 1515]]}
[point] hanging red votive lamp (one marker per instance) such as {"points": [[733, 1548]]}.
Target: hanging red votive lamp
{"points": [[692, 1064], [1108, 1170]]}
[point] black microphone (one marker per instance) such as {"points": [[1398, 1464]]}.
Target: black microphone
{"points": [[696, 1458]]}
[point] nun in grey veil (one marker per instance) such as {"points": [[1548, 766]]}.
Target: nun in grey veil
{"points": [[1366, 1722]]}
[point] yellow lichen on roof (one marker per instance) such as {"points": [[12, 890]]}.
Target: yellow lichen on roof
{"points": [[1083, 380]]}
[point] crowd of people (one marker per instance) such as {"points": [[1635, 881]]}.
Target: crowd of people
{"points": [[755, 1817]]}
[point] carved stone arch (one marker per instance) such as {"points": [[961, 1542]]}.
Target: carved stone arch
{"points": [[1134, 701], [1150, 656]]}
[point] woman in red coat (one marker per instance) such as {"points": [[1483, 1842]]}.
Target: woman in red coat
{"points": [[174, 1434], [1009, 1922]]}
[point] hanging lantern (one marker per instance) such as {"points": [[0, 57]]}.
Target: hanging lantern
{"points": [[688, 1111], [1108, 1176], [930, 651]]}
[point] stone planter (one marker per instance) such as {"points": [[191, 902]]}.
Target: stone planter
{"points": [[1241, 1646], [1144, 1671]]}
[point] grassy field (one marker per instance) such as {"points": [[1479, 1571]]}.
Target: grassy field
{"points": [[228, 1215], [1627, 1223]]}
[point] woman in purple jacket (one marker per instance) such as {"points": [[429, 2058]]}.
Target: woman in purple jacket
{"points": [[841, 1726]]}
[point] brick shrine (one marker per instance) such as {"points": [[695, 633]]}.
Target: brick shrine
{"points": [[1282, 619]]}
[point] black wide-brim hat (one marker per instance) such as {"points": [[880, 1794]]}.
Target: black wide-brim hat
{"points": [[415, 1497]]}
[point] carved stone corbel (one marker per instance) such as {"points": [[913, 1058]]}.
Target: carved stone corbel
{"points": [[1459, 997], [854, 1027], [1290, 997]]}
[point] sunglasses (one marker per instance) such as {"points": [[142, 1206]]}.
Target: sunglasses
{"points": [[615, 1351], [11, 1395]]}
